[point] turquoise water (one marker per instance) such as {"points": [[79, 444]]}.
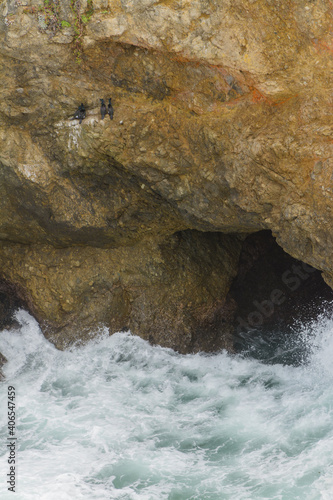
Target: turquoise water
{"points": [[120, 419]]}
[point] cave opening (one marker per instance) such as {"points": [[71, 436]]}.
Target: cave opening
{"points": [[274, 295], [209, 291]]}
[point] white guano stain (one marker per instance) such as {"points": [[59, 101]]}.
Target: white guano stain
{"points": [[74, 135], [29, 171]]}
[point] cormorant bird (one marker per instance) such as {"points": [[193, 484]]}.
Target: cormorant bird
{"points": [[110, 109], [80, 113], [103, 108]]}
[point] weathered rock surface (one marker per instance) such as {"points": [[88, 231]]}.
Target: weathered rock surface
{"points": [[166, 291], [222, 124]]}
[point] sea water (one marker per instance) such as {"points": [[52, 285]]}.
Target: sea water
{"points": [[121, 419]]}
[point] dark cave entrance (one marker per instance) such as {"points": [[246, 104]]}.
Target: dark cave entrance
{"points": [[269, 300], [273, 296]]}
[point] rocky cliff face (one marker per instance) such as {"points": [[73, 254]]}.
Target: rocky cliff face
{"points": [[222, 124]]}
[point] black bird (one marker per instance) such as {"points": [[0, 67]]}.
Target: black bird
{"points": [[110, 109], [80, 113], [103, 108]]}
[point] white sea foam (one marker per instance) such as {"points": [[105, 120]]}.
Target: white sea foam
{"points": [[120, 419]]}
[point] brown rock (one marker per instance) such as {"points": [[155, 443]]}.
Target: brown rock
{"points": [[166, 291], [222, 124], [3, 360]]}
